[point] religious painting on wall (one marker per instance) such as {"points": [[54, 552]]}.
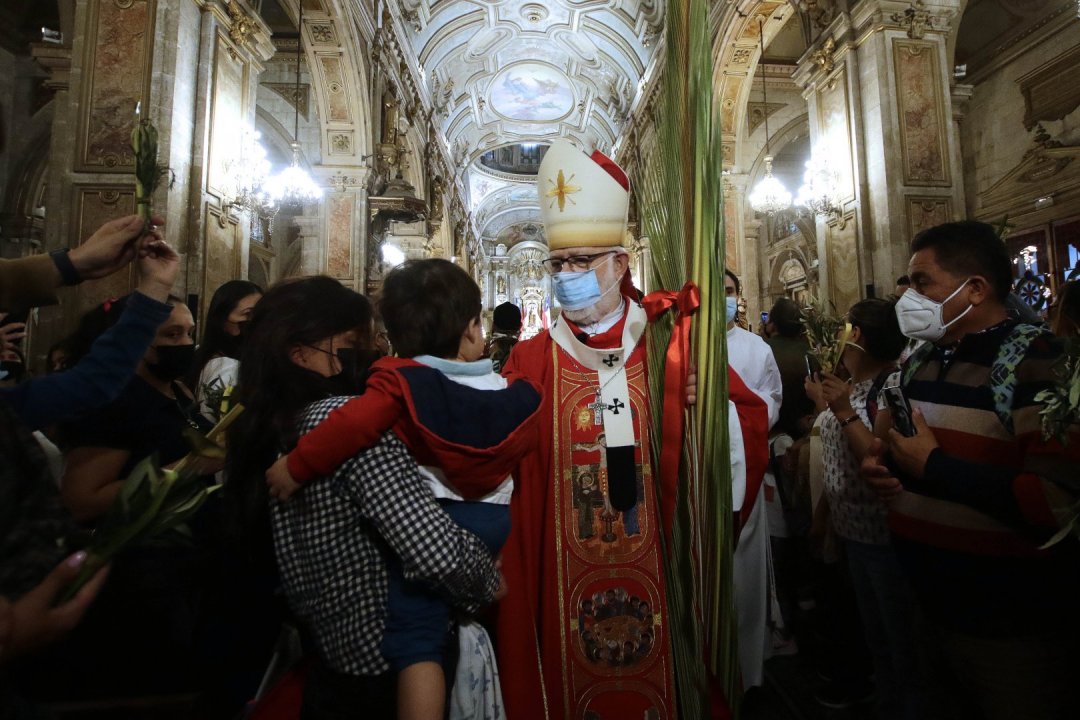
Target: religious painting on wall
{"points": [[921, 113]]}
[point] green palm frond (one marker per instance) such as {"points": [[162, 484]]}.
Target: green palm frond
{"points": [[682, 209]]}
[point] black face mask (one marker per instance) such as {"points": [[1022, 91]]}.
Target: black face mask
{"points": [[233, 345], [348, 377], [174, 361]]}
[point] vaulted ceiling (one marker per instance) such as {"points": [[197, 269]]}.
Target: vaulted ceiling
{"points": [[519, 71]]}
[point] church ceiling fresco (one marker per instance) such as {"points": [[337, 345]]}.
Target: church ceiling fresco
{"points": [[515, 71]]}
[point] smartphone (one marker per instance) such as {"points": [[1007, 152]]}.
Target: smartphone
{"points": [[899, 409], [813, 366], [764, 319]]}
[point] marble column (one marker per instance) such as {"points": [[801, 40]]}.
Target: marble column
{"points": [[877, 85]]}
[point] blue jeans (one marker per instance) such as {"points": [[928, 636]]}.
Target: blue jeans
{"points": [[416, 617], [892, 628]]}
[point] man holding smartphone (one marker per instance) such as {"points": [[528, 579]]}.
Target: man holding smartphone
{"points": [[976, 492]]}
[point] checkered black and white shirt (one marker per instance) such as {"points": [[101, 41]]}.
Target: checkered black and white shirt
{"points": [[332, 540]]}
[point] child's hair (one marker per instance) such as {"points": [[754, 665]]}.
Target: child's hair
{"points": [[427, 305]]}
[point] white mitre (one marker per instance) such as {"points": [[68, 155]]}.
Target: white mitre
{"points": [[584, 200]]}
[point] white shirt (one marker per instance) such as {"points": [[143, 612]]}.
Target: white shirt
{"points": [[752, 358], [219, 373]]}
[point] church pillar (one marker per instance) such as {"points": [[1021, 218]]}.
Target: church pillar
{"points": [[877, 85], [191, 67]]}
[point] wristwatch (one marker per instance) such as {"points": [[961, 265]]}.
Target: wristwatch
{"points": [[63, 263]]}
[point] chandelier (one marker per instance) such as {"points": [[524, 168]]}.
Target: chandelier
{"points": [[249, 175], [769, 196], [819, 190], [293, 185]]}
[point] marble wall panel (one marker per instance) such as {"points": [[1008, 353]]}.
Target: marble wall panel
{"points": [[834, 130], [731, 232], [926, 212], [94, 206], [118, 47], [221, 256], [340, 235], [922, 112], [845, 288], [227, 119], [337, 98]]}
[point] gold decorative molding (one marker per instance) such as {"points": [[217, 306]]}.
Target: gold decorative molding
{"points": [[241, 26], [823, 56], [917, 19]]}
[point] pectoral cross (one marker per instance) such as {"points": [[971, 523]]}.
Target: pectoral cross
{"points": [[610, 360], [615, 405], [597, 407]]}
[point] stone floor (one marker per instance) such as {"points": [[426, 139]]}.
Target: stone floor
{"points": [[788, 694]]}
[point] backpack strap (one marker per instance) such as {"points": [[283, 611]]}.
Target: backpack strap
{"points": [[1003, 371], [914, 362]]}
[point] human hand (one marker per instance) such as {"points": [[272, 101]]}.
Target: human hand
{"points": [[280, 481], [874, 472], [34, 622], [814, 391], [836, 393], [110, 248], [10, 333], [691, 387], [158, 266], [911, 453]]}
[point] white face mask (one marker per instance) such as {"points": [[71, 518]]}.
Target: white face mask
{"points": [[921, 318]]}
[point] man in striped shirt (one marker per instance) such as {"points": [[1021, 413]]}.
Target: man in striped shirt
{"points": [[976, 491]]}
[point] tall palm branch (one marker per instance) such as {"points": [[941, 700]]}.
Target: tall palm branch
{"points": [[682, 210]]}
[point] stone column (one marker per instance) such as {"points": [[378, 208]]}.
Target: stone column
{"points": [[877, 84], [191, 66]]}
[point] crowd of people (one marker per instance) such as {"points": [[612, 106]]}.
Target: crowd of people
{"points": [[473, 527]]}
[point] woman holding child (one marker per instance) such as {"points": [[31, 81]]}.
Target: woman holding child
{"points": [[335, 539]]}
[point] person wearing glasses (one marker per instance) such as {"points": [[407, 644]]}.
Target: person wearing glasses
{"points": [[585, 520]]}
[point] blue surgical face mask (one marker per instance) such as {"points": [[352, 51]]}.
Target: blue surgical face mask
{"points": [[732, 307], [577, 290]]}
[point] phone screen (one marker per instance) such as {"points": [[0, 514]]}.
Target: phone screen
{"points": [[813, 367]]}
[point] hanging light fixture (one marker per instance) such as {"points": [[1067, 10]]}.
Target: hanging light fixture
{"points": [[249, 172], [819, 190], [293, 185], [769, 196]]}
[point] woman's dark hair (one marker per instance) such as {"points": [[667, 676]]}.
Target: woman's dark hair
{"points": [[427, 305], [274, 390], [215, 340], [92, 325], [881, 336]]}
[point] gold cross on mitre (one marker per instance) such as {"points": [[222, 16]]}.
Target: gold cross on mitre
{"points": [[561, 190]]}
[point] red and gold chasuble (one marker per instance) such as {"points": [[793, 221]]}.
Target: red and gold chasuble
{"points": [[583, 633], [608, 568]]}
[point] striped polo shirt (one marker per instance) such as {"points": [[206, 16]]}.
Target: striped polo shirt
{"points": [[969, 531]]}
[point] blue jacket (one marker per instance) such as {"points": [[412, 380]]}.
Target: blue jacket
{"points": [[99, 377]]}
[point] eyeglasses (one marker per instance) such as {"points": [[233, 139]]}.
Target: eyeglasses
{"points": [[574, 262]]}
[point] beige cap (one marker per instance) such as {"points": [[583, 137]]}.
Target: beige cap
{"points": [[584, 200]]}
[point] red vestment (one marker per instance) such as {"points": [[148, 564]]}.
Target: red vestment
{"points": [[578, 573], [582, 632]]}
